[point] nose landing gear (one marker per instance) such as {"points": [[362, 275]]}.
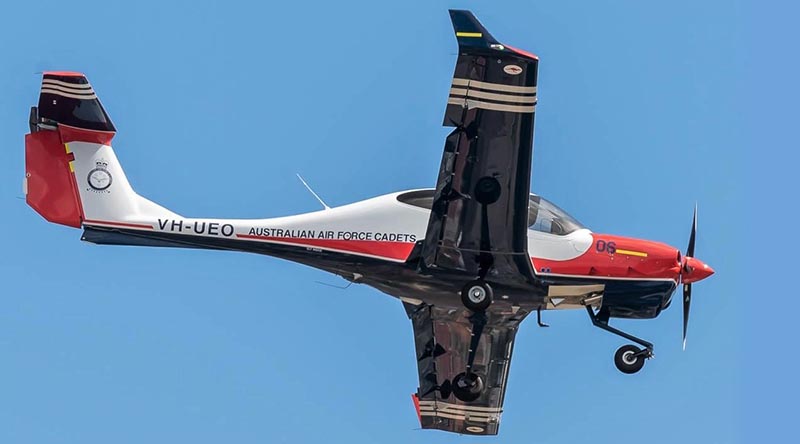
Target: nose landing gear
{"points": [[629, 359]]}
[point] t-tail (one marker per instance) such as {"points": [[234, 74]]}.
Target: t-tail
{"points": [[72, 176]]}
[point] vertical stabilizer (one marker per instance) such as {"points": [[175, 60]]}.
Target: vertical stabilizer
{"points": [[72, 175]]}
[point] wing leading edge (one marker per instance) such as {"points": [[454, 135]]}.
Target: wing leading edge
{"points": [[478, 224]]}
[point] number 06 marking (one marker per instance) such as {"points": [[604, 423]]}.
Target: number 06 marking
{"points": [[603, 246]]}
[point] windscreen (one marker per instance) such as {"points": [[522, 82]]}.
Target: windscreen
{"points": [[546, 217]]}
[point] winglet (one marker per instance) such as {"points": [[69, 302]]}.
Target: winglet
{"points": [[469, 30], [471, 33]]}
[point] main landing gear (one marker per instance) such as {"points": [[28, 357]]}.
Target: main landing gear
{"points": [[629, 359], [477, 297]]}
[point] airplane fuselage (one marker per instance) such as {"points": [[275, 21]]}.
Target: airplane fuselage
{"points": [[376, 241]]}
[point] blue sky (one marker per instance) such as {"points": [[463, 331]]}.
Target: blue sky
{"points": [[644, 108]]}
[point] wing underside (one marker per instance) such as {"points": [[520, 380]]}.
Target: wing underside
{"points": [[478, 228], [479, 220], [443, 337]]}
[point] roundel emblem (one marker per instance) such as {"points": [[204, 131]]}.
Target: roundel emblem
{"points": [[99, 178], [512, 69]]}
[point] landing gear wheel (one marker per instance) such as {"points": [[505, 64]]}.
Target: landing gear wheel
{"points": [[476, 295], [467, 386], [629, 359]]}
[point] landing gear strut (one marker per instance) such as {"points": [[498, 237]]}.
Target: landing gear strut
{"points": [[628, 358], [468, 386]]}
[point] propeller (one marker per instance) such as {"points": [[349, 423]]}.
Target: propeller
{"points": [[686, 269]]}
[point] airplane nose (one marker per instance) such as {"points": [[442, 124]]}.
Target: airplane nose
{"points": [[695, 270]]}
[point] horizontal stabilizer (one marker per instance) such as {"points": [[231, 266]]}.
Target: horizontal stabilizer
{"points": [[67, 98]]}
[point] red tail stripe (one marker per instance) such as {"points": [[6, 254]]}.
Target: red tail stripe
{"points": [[75, 134]]}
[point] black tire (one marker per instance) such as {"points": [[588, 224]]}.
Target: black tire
{"points": [[487, 190], [627, 360], [476, 295], [467, 386]]}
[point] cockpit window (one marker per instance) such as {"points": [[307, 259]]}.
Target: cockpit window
{"points": [[419, 198], [546, 217], [543, 215]]}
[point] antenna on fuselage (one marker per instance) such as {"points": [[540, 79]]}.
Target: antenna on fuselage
{"points": [[312, 192]]}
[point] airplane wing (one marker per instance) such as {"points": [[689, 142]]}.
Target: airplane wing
{"points": [[479, 221], [442, 337]]}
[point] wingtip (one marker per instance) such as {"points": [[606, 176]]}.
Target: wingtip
{"points": [[468, 29], [470, 32], [415, 400], [523, 53]]}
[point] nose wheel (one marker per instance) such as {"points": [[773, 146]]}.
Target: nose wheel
{"points": [[630, 359]]}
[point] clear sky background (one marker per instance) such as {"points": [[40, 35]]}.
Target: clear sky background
{"points": [[644, 109]]}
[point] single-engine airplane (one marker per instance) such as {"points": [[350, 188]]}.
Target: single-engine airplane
{"points": [[469, 259]]}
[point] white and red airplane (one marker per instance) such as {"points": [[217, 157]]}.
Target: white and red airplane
{"points": [[469, 259]]}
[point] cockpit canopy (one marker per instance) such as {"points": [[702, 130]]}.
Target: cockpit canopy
{"points": [[543, 215], [546, 217]]}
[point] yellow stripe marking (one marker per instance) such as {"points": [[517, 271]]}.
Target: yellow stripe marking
{"points": [[631, 253], [469, 34], [71, 168]]}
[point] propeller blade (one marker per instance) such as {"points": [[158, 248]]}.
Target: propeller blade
{"points": [[690, 248], [687, 300]]}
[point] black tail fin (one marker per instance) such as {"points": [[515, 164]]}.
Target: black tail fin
{"points": [[67, 98]]}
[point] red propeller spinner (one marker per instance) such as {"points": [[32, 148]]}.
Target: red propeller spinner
{"points": [[693, 270]]}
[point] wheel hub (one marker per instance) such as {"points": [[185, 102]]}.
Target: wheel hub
{"points": [[477, 294], [629, 357]]}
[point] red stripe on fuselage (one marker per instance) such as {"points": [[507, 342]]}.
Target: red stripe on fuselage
{"points": [[118, 224], [390, 250]]}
